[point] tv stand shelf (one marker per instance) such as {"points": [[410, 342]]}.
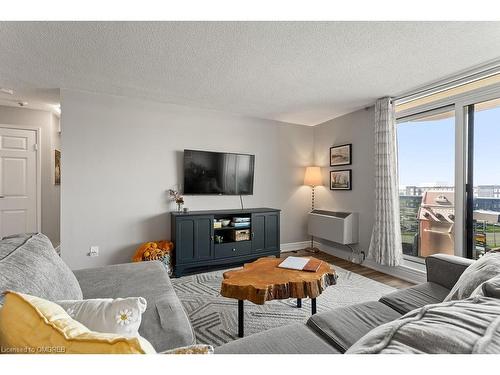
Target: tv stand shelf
{"points": [[223, 229], [194, 234]]}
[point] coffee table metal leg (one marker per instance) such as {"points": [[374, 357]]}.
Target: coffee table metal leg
{"points": [[240, 318], [299, 302], [313, 306]]}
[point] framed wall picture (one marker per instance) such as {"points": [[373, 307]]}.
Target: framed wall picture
{"points": [[57, 167], [341, 155], [341, 180]]}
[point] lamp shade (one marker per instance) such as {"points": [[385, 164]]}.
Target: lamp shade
{"points": [[313, 176]]}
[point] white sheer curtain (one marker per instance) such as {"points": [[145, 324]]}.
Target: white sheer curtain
{"points": [[385, 245]]}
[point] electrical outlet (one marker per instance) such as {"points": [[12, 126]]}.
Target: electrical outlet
{"points": [[94, 251]]}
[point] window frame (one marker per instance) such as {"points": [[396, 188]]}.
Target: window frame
{"points": [[460, 103], [413, 117]]}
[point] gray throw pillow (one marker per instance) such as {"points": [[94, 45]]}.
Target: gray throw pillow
{"points": [[483, 269], [30, 265]]}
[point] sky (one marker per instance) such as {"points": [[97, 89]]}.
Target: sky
{"points": [[426, 150]]}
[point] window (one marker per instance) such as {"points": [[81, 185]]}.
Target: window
{"points": [[426, 162], [448, 175], [483, 207]]}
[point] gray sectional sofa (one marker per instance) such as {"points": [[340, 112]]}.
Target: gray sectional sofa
{"points": [[29, 264], [335, 331]]}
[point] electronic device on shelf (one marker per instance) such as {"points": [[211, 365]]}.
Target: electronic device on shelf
{"points": [[218, 173], [202, 241]]}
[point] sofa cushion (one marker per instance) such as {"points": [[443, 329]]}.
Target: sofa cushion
{"points": [[409, 299], [483, 269], [29, 264], [290, 339], [462, 326], [164, 323], [344, 326]]}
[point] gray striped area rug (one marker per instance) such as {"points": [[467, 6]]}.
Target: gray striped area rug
{"points": [[215, 318]]}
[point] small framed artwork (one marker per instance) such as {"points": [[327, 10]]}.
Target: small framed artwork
{"points": [[341, 180], [341, 155], [57, 167]]}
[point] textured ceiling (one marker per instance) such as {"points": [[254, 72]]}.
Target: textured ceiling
{"points": [[298, 72]]}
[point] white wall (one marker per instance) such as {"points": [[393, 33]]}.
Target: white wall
{"points": [[355, 128], [49, 125], [120, 155]]}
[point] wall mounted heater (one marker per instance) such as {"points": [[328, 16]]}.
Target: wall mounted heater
{"points": [[340, 227]]}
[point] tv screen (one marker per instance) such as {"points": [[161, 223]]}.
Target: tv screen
{"points": [[218, 173]]}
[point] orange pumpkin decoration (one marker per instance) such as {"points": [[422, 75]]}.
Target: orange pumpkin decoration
{"points": [[152, 250]]}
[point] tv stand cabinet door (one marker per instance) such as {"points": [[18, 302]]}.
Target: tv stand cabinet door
{"points": [[194, 239], [266, 232], [258, 233]]}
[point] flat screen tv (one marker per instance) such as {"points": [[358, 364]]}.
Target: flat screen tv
{"points": [[218, 173]]}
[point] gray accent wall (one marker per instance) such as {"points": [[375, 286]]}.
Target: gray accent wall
{"points": [[121, 155], [355, 128]]}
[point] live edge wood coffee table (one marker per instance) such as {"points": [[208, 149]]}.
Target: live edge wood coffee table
{"points": [[263, 280]]}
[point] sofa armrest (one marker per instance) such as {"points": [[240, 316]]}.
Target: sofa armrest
{"points": [[445, 270], [165, 323]]}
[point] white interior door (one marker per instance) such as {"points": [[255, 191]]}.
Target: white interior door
{"points": [[18, 181]]}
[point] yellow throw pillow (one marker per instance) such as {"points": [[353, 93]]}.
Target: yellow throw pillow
{"points": [[31, 324]]}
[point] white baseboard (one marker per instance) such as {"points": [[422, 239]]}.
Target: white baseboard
{"points": [[292, 246], [403, 272]]}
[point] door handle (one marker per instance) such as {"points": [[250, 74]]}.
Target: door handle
{"points": [[1, 196]]}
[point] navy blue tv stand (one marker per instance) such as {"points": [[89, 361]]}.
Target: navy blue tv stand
{"points": [[200, 247]]}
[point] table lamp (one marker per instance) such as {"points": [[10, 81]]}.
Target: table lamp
{"points": [[313, 178]]}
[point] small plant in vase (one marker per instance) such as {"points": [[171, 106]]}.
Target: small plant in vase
{"points": [[177, 197]]}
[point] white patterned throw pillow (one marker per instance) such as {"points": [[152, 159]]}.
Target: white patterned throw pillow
{"points": [[121, 315]]}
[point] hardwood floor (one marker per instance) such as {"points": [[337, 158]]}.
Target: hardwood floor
{"points": [[356, 268]]}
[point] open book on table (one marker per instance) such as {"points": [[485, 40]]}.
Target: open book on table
{"points": [[301, 264]]}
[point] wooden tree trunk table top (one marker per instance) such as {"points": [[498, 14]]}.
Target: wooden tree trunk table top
{"points": [[263, 280]]}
